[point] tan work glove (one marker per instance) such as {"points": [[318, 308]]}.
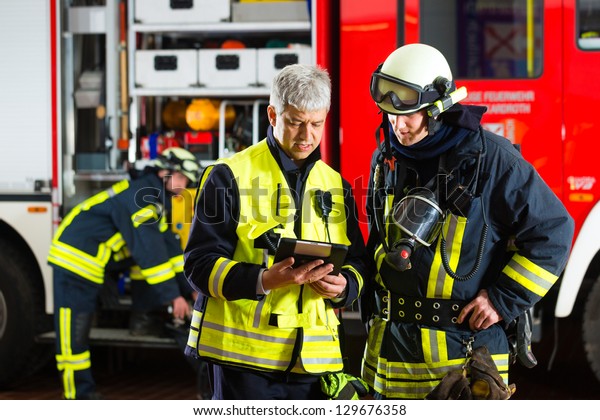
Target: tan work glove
{"points": [[486, 382], [454, 386]]}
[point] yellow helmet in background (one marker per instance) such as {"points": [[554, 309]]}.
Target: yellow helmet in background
{"points": [[411, 78], [177, 159]]}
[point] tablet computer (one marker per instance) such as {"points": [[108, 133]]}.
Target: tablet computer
{"points": [[304, 251]]}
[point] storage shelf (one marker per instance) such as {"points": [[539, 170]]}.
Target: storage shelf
{"points": [[225, 27], [101, 176], [248, 92], [153, 31]]}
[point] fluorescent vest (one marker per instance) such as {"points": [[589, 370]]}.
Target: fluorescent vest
{"points": [[262, 334]]}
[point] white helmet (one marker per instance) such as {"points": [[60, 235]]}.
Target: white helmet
{"points": [[181, 160], [411, 78]]}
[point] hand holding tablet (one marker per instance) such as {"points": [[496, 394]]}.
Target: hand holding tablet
{"points": [[304, 251]]}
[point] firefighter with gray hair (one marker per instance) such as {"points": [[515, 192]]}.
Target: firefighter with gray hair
{"points": [[269, 328]]}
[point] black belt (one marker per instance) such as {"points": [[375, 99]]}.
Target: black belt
{"points": [[420, 310]]}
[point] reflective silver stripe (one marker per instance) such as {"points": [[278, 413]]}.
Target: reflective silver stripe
{"points": [[441, 274], [217, 277], [317, 338], [177, 263], [321, 361], [192, 339], [246, 334], [529, 275], [256, 319], [159, 273], [434, 350], [244, 357]]}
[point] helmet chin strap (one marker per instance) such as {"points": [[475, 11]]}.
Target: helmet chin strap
{"points": [[433, 125], [385, 146]]}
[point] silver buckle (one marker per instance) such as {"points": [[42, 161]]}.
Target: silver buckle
{"points": [[386, 311]]}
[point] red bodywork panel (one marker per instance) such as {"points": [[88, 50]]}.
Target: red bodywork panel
{"points": [[368, 35], [552, 117]]}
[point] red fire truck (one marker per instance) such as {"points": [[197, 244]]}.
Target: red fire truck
{"points": [[88, 90], [533, 64]]}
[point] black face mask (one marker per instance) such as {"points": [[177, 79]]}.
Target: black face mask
{"points": [[416, 220]]}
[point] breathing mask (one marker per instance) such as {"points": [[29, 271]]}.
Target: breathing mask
{"points": [[415, 220]]}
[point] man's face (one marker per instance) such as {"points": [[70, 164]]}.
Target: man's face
{"points": [[176, 182], [299, 133], [409, 128]]}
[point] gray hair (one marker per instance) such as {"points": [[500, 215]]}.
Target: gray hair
{"points": [[305, 87]]}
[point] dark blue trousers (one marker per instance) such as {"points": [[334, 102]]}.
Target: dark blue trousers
{"points": [[244, 384]]}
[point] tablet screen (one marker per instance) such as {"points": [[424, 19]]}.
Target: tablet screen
{"points": [[304, 251]]}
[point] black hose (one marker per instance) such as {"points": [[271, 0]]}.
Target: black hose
{"points": [[466, 277]]}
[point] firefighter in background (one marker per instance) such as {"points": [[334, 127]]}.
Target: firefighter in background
{"points": [[119, 227], [465, 234]]}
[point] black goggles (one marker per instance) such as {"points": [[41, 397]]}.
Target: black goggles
{"points": [[421, 96]]}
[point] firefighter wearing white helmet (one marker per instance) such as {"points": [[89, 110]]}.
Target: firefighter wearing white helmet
{"points": [[447, 197], [123, 229], [411, 78], [177, 159]]}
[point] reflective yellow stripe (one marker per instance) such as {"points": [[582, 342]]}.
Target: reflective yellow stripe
{"points": [[91, 202], [158, 273], [205, 174], [501, 361], [359, 278], [79, 361], [401, 380], [440, 284], [121, 254], [275, 348], [87, 266], [115, 242], [379, 257], [163, 226], [529, 275], [458, 225], [217, 276], [407, 380], [67, 362], [434, 345], [64, 326], [117, 188], [150, 212], [84, 265], [135, 273], [177, 263], [194, 329]]}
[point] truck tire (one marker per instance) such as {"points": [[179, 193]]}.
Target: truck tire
{"points": [[591, 328], [22, 317]]}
